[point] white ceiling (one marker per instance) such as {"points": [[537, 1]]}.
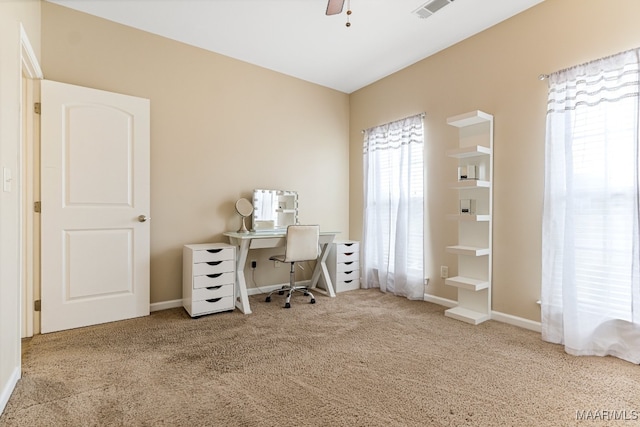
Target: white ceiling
{"points": [[296, 38]]}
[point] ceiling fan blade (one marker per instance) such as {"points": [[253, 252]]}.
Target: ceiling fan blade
{"points": [[334, 7]]}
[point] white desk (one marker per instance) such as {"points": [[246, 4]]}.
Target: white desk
{"points": [[262, 240]]}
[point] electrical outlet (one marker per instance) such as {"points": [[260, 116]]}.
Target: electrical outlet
{"points": [[276, 264], [444, 271], [254, 263]]}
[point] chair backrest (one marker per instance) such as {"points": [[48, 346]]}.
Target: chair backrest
{"points": [[302, 243]]}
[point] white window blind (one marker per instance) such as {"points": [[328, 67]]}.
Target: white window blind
{"points": [[604, 160]]}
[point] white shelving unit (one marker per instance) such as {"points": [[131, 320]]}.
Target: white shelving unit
{"points": [[474, 245]]}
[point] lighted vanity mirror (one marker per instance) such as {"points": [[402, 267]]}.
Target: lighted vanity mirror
{"points": [[274, 210]]}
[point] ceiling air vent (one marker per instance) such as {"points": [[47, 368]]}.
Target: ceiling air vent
{"points": [[431, 7]]}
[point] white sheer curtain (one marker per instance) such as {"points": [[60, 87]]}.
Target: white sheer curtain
{"points": [[590, 274], [392, 244]]}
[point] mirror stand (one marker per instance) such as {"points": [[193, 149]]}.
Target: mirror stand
{"points": [[244, 209], [243, 228]]}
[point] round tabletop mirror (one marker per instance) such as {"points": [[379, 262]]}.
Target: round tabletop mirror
{"points": [[244, 209]]}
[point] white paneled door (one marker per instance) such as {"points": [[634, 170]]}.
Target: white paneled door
{"points": [[95, 206]]}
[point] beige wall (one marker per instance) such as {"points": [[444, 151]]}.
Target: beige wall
{"points": [[496, 71], [219, 129], [12, 14], [242, 127]]}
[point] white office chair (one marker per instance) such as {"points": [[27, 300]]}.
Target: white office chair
{"points": [[301, 245]]}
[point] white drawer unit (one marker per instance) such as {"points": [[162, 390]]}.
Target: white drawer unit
{"points": [[343, 263], [208, 278]]}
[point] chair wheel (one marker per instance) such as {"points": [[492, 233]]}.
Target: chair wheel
{"points": [[313, 301], [267, 299], [287, 305], [280, 292]]}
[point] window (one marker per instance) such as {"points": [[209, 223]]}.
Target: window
{"points": [[603, 152], [591, 239], [394, 205]]}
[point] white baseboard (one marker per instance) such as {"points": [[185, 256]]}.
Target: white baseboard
{"points": [[440, 301], [516, 321], [8, 389], [270, 288], [165, 305], [495, 315], [262, 289]]}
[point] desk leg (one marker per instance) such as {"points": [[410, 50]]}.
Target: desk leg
{"points": [[242, 298], [321, 268]]}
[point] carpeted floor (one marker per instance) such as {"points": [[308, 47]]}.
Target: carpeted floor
{"points": [[362, 359]]}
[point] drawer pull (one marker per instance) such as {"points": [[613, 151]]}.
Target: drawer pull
{"points": [[214, 251], [214, 262], [348, 272], [348, 281], [348, 253], [348, 244], [211, 288], [213, 276], [213, 300], [348, 263]]}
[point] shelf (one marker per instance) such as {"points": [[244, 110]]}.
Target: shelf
{"points": [[467, 283], [471, 151], [474, 156], [466, 315], [468, 250], [470, 183], [468, 119], [470, 218]]}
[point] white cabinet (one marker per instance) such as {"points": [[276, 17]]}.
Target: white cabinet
{"points": [[474, 184], [343, 263], [208, 278]]}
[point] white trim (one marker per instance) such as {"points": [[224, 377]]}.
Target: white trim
{"points": [[165, 305], [26, 214], [517, 321], [28, 56], [8, 389], [157, 306], [495, 315], [440, 301], [271, 288], [31, 68]]}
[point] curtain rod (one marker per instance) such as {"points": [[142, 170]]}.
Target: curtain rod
{"points": [[542, 77], [422, 115]]}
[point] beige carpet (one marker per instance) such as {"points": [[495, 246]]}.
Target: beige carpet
{"points": [[361, 359]]}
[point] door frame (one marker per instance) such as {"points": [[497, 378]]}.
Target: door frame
{"points": [[31, 73]]}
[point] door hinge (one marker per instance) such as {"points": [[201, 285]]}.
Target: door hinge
{"points": [[36, 107], [37, 305], [37, 207]]}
